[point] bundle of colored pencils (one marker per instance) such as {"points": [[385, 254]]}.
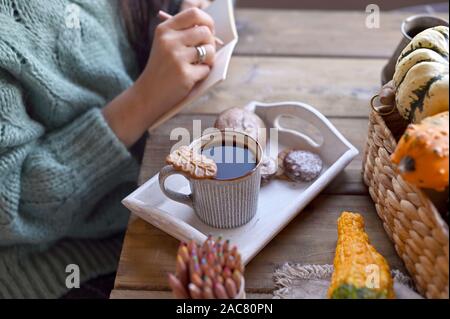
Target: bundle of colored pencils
{"points": [[213, 270]]}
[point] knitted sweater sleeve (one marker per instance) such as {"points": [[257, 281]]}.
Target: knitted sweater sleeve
{"points": [[50, 181]]}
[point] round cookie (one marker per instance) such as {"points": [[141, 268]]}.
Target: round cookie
{"points": [[244, 121], [302, 166]]}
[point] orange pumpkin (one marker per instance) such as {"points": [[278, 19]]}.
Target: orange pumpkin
{"points": [[422, 153]]}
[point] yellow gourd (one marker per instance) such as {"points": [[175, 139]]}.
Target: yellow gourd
{"points": [[360, 272]]}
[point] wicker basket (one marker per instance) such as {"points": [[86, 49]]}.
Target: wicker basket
{"points": [[411, 220]]}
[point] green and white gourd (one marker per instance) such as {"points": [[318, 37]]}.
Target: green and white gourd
{"points": [[422, 74]]}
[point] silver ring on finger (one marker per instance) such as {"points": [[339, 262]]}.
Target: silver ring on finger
{"points": [[201, 54]]}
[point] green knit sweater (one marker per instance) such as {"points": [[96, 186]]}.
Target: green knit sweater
{"points": [[63, 172]]}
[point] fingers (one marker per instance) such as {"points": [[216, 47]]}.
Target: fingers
{"points": [[197, 36], [199, 71], [202, 4], [191, 54], [187, 4], [191, 18]]}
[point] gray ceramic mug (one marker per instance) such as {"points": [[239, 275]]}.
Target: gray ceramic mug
{"points": [[221, 203], [410, 27]]}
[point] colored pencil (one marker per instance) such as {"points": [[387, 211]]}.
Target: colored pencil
{"points": [[209, 270], [177, 288], [195, 278], [226, 273], [230, 287], [220, 292], [181, 271], [208, 293], [184, 253], [207, 282], [237, 279], [195, 292], [226, 245]]}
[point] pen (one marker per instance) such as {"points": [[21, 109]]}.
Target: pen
{"points": [[164, 16]]}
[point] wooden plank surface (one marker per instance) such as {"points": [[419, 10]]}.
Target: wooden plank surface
{"points": [[336, 87], [148, 254], [327, 59], [422, 5], [317, 33]]}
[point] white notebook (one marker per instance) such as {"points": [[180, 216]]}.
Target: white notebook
{"points": [[222, 13]]}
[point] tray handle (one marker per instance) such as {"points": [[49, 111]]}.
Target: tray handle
{"points": [[306, 138], [272, 113]]}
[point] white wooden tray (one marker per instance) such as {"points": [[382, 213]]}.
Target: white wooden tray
{"points": [[279, 201]]}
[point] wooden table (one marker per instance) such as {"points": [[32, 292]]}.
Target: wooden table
{"points": [[327, 59]]}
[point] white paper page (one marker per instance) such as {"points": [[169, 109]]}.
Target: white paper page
{"points": [[223, 15]]}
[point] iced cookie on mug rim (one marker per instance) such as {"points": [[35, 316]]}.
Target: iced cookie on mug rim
{"points": [[195, 165]]}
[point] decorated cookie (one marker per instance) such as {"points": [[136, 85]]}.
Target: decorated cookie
{"points": [[269, 168], [195, 165], [302, 166]]}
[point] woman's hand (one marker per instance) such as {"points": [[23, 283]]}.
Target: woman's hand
{"points": [[172, 70], [201, 4], [170, 74]]}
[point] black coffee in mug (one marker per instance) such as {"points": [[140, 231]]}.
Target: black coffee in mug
{"points": [[232, 161]]}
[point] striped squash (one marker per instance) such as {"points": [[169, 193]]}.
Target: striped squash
{"points": [[421, 75]]}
